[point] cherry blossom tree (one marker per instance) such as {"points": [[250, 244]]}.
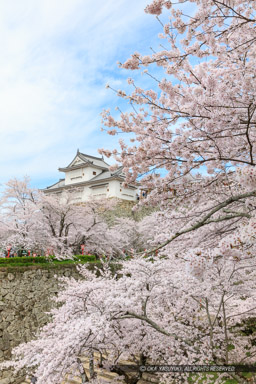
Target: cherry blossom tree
{"points": [[53, 224], [191, 303], [70, 225], [20, 217], [133, 236], [171, 311], [199, 118]]}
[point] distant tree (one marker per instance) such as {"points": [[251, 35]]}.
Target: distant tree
{"points": [[20, 216], [53, 224], [70, 225]]}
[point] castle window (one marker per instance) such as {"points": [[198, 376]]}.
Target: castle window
{"points": [[94, 173]]}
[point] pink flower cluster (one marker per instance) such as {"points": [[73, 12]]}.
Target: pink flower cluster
{"points": [[246, 176]]}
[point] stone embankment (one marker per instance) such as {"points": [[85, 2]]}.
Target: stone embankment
{"points": [[25, 296]]}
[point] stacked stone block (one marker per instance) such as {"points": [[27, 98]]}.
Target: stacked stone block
{"points": [[25, 296]]}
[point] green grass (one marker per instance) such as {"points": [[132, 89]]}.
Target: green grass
{"points": [[44, 261], [22, 264]]}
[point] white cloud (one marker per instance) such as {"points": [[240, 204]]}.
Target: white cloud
{"points": [[55, 59]]}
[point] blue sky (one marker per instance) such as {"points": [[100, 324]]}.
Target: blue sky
{"points": [[55, 60]]}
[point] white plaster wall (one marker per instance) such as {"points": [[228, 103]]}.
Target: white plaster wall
{"points": [[100, 192], [129, 194], [114, 189], [88, 173], [74, 176], [117, 190], [87, 192], [81, 174]]}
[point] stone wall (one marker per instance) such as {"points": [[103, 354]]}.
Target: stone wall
{"points": [[25, 296]]}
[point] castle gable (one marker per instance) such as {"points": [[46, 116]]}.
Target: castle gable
{"points": [[76, 161], [92, 175], [82, 160]]}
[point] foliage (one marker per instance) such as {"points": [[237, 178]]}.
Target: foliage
{"points": [[94, 266], [44, 260], [84, 257], [23, 260]]}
